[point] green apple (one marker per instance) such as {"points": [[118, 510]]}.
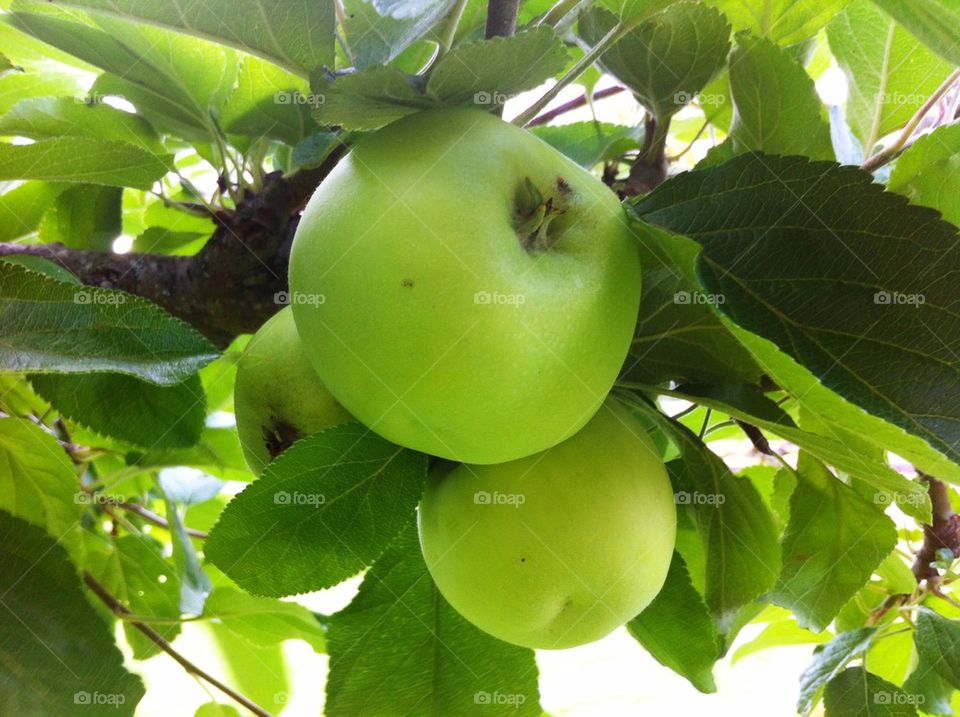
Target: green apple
{"points": [[557, 549], [464, 289], [278, 398]]}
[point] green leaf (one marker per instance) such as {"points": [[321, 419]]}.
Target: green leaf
{"points": [[752, 406], [18, 86], [938, 643], [195, 585], [136, 573], [928, 171], [828, 660], [375, 38], [667, 60], [778, 634], [589, 143], [833, 542], [931, 688], [55, 326], [264, 621], [858, 692], [321, 512], [214, 709], [269, 102], [259, 673], [677, 629], [218, 453], [734, 524], [22, 207], [367, 99], [776, 106], [786, 22], [889, 73], [58, 654], [75, 159], [85, 216], [180, 81], [149, 415], [487, 72], [678, 334], [851, 298], [39, 483], [399, 649], [935, 22], [51, 117], [298, 35]]}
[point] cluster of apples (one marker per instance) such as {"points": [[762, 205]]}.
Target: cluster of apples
{"points": [[464, 290]]}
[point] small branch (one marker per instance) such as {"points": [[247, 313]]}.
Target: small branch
{"points": [[579, 102], [118, 609], [943, 532], [650, 168], [228, 287], [756, 437], [607, 41], [872, 164], [501, 18], [151, 517]]}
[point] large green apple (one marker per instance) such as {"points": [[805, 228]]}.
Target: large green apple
{"points": [[464, 289], [278, 398], [556, 549]]}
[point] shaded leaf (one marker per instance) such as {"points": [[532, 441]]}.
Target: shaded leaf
{"points": [[858, 692], [50, 325], [59, 656], [399, 648], [321, 512], [828, 661]]}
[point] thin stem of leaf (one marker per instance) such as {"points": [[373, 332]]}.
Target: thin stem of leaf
{"points": [[118, 609], [885, 156]]}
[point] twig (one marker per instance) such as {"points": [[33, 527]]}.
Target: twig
{"points": [[573, 104], [607, 41], [942, 532], [118, 609], [501, 18], [872, 164], [151, 517]]}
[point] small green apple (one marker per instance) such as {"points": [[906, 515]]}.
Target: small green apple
{"points": [[278, 398], [463, 288], [557, 549]]}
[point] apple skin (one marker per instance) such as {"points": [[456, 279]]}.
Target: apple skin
{"points": [[437, 328], [277, 396], [584, 551]]}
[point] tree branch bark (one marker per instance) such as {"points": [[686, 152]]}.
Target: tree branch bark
{"points": [[228, 287], [501, 18], [943, 532]]}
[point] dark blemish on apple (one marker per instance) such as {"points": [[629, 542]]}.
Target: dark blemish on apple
{"points": [[280, 436], [408, 283], [563, 186], [523, 560]]}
